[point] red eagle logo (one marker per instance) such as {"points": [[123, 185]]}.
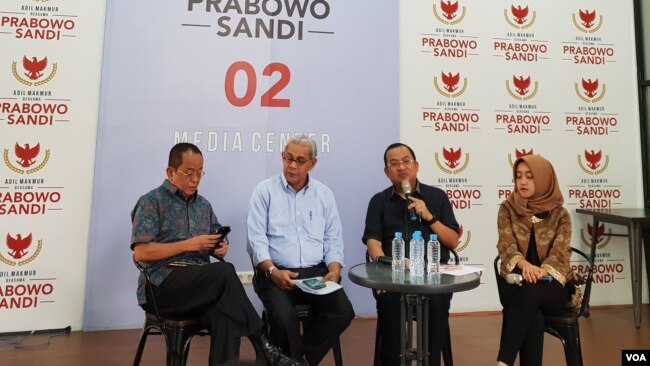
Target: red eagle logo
{"points": [[521, 84], [451, 81], [599, 232], [590, 87], [18, 245], [523, 152], [519, 13], [34, 67], [588, 18], [593, 158], [451, 156], [449, 9], [27, 154]]}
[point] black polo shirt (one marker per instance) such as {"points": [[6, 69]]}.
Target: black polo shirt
{"points": [[387, 214]]}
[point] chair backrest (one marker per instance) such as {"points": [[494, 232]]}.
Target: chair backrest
{"points": [[584, 306], [148, 288]]}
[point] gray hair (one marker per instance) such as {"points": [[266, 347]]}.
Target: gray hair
{"points": [[304, 140]]}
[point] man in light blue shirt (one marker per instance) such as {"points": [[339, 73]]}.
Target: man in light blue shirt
{"points": [[294, 232]]}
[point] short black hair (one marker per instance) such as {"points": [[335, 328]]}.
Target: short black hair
{"points": [[396, 145], [176, 153]]}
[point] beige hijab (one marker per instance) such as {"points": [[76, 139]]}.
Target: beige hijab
{"points": [[547, 196]]}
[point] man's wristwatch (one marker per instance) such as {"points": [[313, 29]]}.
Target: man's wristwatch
{"points": [[270, 271], [432, 221]]}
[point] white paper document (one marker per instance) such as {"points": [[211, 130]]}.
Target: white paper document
{"points": [[459, 270], [329, 287]]}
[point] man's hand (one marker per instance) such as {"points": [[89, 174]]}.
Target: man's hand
{"points": [[222, 248], [420, 208], [202, 243], [334, 276], [284, 279], [334, 273]]}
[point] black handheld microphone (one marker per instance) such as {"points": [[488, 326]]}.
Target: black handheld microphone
{"points": [[406, 188]]}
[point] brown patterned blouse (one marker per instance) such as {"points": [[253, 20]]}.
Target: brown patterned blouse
{"points": [[552, 235]]}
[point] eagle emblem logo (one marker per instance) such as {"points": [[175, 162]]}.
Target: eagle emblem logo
{"points": [[451, 156], [519, 17], [34, 70], [593, 158], [27, 154], [593, 164], [587, 21], [590, 87], [451, 163], [18, 245], [446, 12], [18, 249], [34, 67], [448, 84], [519, 14], [590, 90], [587, 18], [520, 89], [26, 158]]}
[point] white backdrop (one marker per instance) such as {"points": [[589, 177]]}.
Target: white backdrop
{"points": [[48, 120], [487, 81]]}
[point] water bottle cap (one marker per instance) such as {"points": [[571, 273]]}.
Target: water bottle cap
{"points": [[417, 235], [434, 236], [398, 234]]}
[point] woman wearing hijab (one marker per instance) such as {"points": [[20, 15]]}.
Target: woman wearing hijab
{"points": [[535, 242]]}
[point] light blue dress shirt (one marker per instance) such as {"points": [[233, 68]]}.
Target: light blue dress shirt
{"points": [[294, 229]]}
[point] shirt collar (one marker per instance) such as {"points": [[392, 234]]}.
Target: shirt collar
{"points": [[172, 190], [288, 188]]}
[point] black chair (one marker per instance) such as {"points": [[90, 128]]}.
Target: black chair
{"points": [[304, 316], [178, 332], [566, 326], [447, 357]]}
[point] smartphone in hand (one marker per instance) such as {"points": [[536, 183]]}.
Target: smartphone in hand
{"points": [[223, 231], [314, 283]]}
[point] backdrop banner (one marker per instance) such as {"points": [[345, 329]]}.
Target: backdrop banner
{"points": [[49, 96], [488, 82], [238, 78]]}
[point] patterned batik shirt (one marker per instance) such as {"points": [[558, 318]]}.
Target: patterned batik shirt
{"points": [[164, 216]]}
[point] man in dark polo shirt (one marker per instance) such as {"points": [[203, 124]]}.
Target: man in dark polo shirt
{"points": [[388, 213]]}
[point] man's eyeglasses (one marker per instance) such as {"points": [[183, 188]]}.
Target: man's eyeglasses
{"points": [[191, 174], [396, 164], [299, 162]]}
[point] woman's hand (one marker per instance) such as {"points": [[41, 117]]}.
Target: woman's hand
{"points": [[530, 272]]}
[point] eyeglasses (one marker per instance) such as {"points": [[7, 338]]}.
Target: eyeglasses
{"points": [[299, 162], [191, 174], [396, 164]]}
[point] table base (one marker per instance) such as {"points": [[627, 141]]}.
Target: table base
{"points": [[420, 353]]}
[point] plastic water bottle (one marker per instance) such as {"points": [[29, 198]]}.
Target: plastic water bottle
{"points": [[416, 255], [433, 254], [398, 253]]}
